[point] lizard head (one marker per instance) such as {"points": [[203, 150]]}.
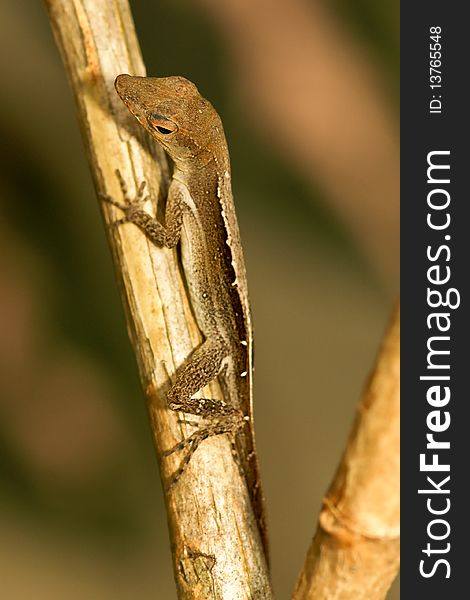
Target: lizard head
{"points": [[174, 113]]}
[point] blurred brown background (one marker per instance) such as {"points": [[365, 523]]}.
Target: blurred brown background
{"points": [[308, 92]]}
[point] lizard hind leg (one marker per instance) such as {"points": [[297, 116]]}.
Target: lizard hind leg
{"points": [[197, 371], [200, 369], [218, 427]]}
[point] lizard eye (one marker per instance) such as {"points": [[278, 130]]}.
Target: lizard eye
{"points": [[161, 124], [163, 130]]}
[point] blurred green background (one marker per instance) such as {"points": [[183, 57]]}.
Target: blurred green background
{"points": [[308, 93]]}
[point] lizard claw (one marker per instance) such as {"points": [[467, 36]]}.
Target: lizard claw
{"points": [[109, 200], [125, 192]]}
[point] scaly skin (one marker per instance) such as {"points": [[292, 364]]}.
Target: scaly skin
{"points": [[200, 201]]}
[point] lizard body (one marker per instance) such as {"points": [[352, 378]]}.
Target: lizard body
{"points": [[200, 214]]}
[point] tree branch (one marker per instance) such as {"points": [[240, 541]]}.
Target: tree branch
{"points": [[217, 551], [355, 551]]}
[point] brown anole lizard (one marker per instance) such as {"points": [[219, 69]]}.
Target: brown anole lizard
{"points": [[200, 200]]}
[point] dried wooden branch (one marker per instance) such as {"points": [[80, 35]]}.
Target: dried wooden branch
{"points": [[355, 551], [217, 552]]}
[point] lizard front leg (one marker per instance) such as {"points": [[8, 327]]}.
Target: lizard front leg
{"points": [[166, 235]]}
